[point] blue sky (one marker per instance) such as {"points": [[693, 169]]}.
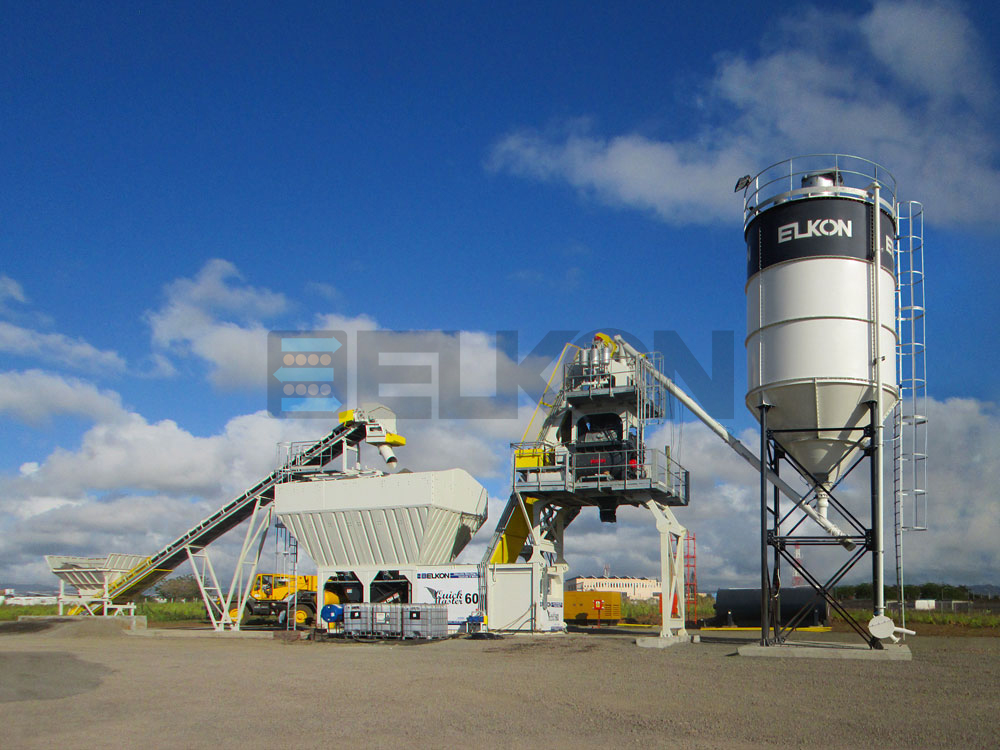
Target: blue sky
{"points": [[181, 179]]}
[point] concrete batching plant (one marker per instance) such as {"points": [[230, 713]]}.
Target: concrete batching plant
{"points": [[834, 343]]}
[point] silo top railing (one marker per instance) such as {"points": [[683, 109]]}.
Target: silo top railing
{"points": [[817, 175]]}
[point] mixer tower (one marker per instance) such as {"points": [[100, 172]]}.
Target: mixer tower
{"points": [[591, 451]]}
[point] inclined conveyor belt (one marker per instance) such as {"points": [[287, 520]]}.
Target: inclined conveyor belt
{"points": [[232, 514]]}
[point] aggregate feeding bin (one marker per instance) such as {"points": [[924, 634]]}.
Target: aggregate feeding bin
{"points": [[93, 578], [383, 522]]}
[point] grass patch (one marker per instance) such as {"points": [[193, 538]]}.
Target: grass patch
{"points": [[648, 613], [171, 611], [922, 617], [153, 611], [9, 612], [641, 613]]}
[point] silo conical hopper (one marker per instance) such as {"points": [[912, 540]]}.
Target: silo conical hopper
{"points": [[817, 343]]}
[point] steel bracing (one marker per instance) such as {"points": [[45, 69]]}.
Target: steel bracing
{"points": [[779, 531], [691, 577]]}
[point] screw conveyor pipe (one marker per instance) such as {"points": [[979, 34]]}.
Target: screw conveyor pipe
{"points": [[831, 528]]}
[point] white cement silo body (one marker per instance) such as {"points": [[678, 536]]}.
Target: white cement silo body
{"points": [[811, 349]]}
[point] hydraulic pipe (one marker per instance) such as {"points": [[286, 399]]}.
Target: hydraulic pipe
{"points": [[831, 528]]}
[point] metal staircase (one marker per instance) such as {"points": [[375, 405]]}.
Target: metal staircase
{"points": [[286, 549]]}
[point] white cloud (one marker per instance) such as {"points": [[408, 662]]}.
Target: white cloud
{"points": [[679, 182], [930, 47], [58, 349], [960, 545], [157, 365], [133, 486], [91, 527], [327, 291], [10, 289], [54, 348], [35, 396], [925, 111], [444, 444], [216, 288], [217, 318], [131, 454]]}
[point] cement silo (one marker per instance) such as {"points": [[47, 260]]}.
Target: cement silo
{"points": [[818, 354], [821, 337]]}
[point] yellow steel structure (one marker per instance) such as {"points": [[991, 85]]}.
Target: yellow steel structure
{"points": [[515, 534], [391, 438], [518, 527]]}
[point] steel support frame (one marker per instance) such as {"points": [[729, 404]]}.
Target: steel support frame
{"points": [[100, 605], [208, 585], [217, 607], [547, 524], [869, 537], [672, 536], [246, 564]]}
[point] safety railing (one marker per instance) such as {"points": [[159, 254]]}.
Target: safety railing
{"points": [[540, 466], [816, 175]]}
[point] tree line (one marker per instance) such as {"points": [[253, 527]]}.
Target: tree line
{"points": [[177, 589], [928, 590]]}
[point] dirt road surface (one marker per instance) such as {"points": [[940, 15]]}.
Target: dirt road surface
{"points": [[60, 687]]}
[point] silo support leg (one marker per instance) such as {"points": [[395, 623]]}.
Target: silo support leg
{"points": [[765, 594]]}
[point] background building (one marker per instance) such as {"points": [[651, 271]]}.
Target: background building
{"points": [[633, 588]]}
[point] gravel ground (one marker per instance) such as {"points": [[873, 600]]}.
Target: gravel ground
{"points": [[70, 686]]}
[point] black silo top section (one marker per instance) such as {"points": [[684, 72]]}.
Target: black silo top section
{"points": [[816, 227]]}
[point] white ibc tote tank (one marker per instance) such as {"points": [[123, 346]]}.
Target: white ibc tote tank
{"points": [[821, 336]]}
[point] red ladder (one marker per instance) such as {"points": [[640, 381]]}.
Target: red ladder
{"points": [[690, 578]]}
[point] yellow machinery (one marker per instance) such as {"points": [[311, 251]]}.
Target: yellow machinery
{"points": [[582, 607], [275, 594]]}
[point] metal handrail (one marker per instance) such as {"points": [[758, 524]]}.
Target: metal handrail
{"points": [[557, 468], [778, 182]]}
